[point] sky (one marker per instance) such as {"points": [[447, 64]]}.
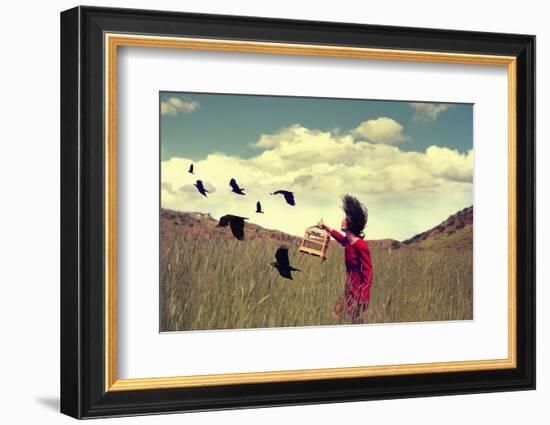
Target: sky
{"points": [[410, 162]]}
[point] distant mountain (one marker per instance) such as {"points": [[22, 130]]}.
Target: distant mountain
{"points": [[455, 232]]}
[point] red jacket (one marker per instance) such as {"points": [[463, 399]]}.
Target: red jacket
{"points": [[359, 269]]}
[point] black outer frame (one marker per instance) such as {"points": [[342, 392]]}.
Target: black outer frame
{"points": [[82, 212]]}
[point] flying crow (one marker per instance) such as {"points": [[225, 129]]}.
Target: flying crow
{"points": [[259, 207], [201, 189], [289, 196], [191, 169], [235, 187], [282, 264], [236, 223]]}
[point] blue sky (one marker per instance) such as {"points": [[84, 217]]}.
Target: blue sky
{"points": [[410, 162], [230, 123]]}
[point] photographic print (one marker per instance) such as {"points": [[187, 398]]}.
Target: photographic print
{"points": [[279, 211]]}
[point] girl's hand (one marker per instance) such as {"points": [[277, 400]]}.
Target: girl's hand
{"points": [[321, 224]]}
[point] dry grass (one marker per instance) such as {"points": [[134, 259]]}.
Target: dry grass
{"points": [[227, 284]]}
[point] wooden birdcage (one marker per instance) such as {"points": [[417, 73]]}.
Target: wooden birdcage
{"points": [[315, 242]]}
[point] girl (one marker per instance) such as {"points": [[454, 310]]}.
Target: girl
{"points": [[356, 295]]}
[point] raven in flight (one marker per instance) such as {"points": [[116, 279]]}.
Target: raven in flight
{"points": [[191, 169], [236, 223], [201, 189], [283, 264], [289, 196], [259, 208], [235, 187]]}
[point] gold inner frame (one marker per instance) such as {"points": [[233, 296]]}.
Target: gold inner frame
{"points": [[113, 41]]}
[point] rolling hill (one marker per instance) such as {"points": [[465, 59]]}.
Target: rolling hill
{"points": [[454, 232]]}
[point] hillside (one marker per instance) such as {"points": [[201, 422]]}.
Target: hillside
{"points": [[199, 225], [455, 232]]}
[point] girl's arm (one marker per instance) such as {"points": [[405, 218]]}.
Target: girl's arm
{"points": [[336, 235], [321, 224], [363, 253]]}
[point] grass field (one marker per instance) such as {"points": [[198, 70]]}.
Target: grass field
{"points": [[227, 284]]}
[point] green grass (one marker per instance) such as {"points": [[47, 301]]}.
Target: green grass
{"points": [[227, 284]]}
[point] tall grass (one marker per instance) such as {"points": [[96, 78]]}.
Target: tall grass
{"points": [[227, 284]]}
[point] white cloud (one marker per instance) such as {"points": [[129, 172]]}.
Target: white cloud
{"points": [[428, 111], [381, 130], [175, 105], [448, 164], [406, 192]]}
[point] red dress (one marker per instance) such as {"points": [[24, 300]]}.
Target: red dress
{"points": [[359, 271]]}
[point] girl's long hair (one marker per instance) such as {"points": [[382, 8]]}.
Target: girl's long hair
{"points": [[356, 213]]}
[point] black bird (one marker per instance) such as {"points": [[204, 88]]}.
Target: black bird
{"points": [[283, 264], [235, 187], [259, 208], [289, 196], [191, 169], [201, 189], [236, 223]]}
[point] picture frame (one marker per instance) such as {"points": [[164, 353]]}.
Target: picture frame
{"points": [[90, 40]]}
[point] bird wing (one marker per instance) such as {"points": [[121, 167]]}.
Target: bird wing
{"points": [[289, 197], [258, 206], [199, 184], [237, 227], [224, 221], [191, 168], [282, 257], [285, 273], [233, 184]]}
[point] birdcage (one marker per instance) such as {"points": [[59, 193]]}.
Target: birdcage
{"points": [[315, 242]]}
